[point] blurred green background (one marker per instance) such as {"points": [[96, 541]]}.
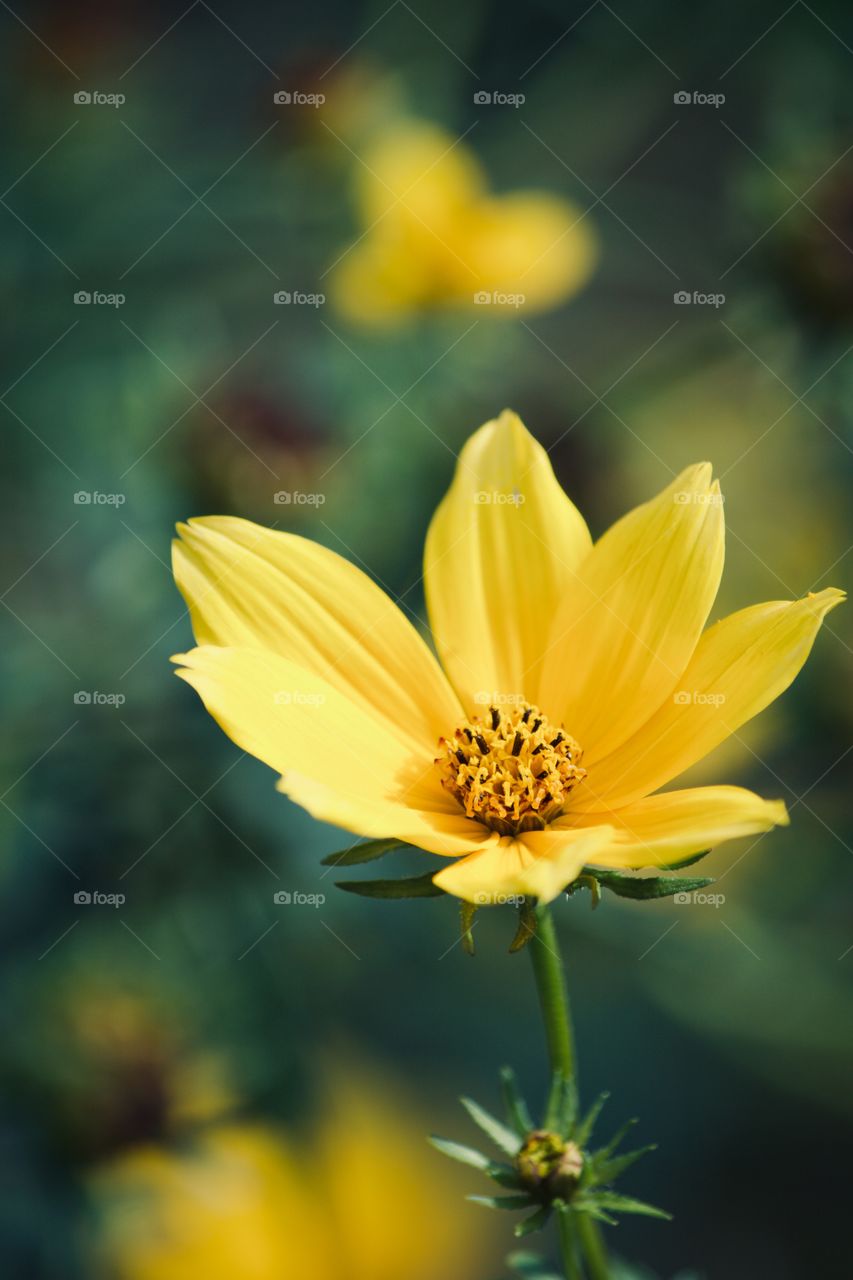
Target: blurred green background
{"points": [[198, 1011]]}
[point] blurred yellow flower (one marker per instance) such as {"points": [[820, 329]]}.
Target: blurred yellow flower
{"points": [[309, 666], [434, 236], [244, 1204]]}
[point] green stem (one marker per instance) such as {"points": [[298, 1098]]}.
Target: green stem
{"points": [[593, 1248], [553, 994], [549, 972], [568, 1246]]}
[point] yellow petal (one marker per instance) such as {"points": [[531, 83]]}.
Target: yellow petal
{"points": [[344, 766], [528, 246], [740, 665], [664, 828], [538, 864], [631, 620], [502, 550], [417, 175], [250, 587]]}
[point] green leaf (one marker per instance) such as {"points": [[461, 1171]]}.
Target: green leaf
{"points": [[644, 887], [408, 887], [535, 1222], [627, 1204], [516, 1108], [503, 1138], [586, 1126], [367, 851], [502, 1202]]}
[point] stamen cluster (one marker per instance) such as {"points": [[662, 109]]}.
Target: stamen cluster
{"points": [[510, 769]]}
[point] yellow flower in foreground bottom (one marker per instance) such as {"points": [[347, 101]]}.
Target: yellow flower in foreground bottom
{"points": [[243, 1204], [435, 236], [577, 678]]}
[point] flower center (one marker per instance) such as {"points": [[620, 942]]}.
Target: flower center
{"points": [[510, 769]]}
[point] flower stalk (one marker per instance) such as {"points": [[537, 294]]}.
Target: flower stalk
{"points": [[549, 972]]}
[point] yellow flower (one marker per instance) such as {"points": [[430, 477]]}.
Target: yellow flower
{"points": [[243, 1203], [434, 236], [576, 678]]}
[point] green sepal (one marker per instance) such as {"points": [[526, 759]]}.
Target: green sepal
{"points": [[467, 911], [594, 1210], [561, 1108], [502, 1202], [457, 1151], [610, 1170], [535, 1222], [504, 1174], [368, 851], [645, 887], [687, 862], [586, 1126], [503, 1138], [407, 887], [516, 1108], [612, 1200], [526, 930]]}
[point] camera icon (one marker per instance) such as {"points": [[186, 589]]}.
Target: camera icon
{"points": [[82, 897], [82, 498], [681, 899], [482, 98], [283, 498], [483, 298], [82, 298], [681, 98], [282, 898], [281, 299], [682, 298], [82, 698], [682, 698], [282, 97], [82, 97]]}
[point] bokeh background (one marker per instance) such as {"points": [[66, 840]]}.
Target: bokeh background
{"points": [[198, 1081]]}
